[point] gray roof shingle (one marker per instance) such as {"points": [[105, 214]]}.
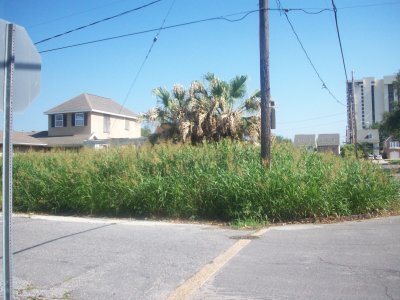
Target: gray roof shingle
{"points": [[368, 136], [92, 103], [328, 139], [304, 140], [23, 138], [61, 141]]}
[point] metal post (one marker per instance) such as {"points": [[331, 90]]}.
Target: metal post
{"points": [[7, 163], [265, 85]]}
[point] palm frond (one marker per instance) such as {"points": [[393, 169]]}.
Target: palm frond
{"points": [[163, 96], [237, 87], [209, 77], [179, 93], [218, 89], [252, 104]]}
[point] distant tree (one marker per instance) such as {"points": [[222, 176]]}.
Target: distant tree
{"points": [[375, 125], [281, 139], [347, 151], [145, 131], [390, 124], [396, 85]]}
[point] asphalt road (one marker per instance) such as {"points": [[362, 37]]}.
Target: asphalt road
{"points": [[107, 259], [73, 258], [351, 260]]}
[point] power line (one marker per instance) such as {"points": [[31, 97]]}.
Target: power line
{"points": [[307, 11], [145, 58], [97, 22], [340, 42], [358, 5], [308, 57], [147, 55], [223, 18]]}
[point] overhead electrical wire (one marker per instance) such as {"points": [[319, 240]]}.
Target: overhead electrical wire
{"points": [[340, 42], [308, 56], [145, 58], [358, 5], [223, 18], [147, 55], [97, 22], [307, 11]]}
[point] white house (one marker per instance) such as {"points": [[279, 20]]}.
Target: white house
{"points": [[89, 117]]}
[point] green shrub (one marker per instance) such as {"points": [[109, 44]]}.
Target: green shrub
{"points": [[221, 181]]}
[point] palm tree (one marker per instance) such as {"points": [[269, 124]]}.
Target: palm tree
{"points": [[208, 112], [172, 113]]}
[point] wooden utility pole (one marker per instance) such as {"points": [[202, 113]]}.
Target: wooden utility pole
{"points": [[350, 131], [353, 115], [265, 85]]}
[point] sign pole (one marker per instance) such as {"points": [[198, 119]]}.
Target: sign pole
{"points": [[7, 162], [20, 65]]}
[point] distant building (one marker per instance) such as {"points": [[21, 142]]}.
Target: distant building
{"points": [[86, 120], [329, 143], [370, 137], [92, 115], [88, 117], [391, 148], [372, 98], [307, 141]]}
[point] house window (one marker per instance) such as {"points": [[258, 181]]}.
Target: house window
{"points": [[106, 123], [79, 119], [59, 120], [126, 124], [394, 144]]}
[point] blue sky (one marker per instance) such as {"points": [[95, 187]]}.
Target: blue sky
{"points": [[369, 31]]}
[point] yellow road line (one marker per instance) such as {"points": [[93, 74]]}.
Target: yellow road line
{"points": [[191, 285]]}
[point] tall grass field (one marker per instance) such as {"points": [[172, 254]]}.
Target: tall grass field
{"points": [[223, 181]]}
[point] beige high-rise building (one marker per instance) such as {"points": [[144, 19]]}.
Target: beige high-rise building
{"points": [[373, 97]]}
